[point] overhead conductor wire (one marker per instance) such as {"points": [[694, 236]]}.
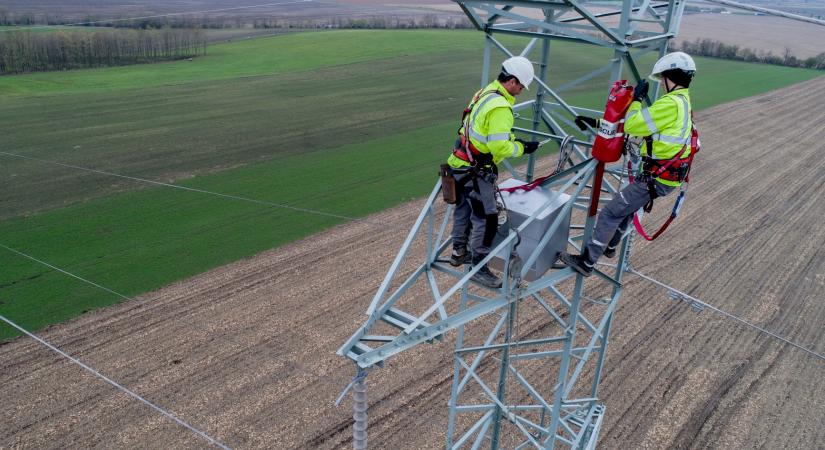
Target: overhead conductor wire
{"points": [[64, 272], [726, 314], [203, 191], [164, 412], [310, 371], [352, 219], [94, 372], [158, 16]]}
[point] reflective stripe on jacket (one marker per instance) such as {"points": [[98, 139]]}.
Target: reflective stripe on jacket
{"points": [[491, 123], [667, 121]]}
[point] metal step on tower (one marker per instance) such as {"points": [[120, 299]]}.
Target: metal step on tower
{"points": [[528, 357]]}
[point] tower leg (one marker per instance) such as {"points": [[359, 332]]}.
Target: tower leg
{"points": [[502, 380]]}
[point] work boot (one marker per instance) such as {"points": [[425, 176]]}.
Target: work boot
{"points": [[459, 256], [577, 263], [609, 252], [485, 276]]}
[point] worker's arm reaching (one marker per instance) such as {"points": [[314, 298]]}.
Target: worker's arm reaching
{"points": [[639, 94], [640, 91], [501, 141], [583, 121], [529, 146]]}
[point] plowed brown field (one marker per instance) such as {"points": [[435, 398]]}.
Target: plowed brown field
{"points": [[246, 352]]}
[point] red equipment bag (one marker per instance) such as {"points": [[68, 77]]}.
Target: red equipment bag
{"points": [[610, 139]]}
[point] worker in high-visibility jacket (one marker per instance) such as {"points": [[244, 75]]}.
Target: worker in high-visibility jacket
{"points": [[667, 128], [485, 139]]}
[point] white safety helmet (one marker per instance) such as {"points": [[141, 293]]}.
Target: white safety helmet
{"points": [[521, 68], [675, 60]]}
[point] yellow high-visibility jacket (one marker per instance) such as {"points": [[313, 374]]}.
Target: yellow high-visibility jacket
{"points": [[667, 121], [491, 123]]}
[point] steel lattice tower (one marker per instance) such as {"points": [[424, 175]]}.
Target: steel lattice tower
{"points": [[536, 387]]}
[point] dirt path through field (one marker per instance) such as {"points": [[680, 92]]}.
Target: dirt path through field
{"points": [[246, 352]]}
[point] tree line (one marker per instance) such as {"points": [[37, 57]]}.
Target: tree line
{"points": [[24, 51], [376, 22], [448, 21], [717, 49]]}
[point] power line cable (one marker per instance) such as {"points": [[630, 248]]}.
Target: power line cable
{"points": [[118, 386], [352, 219], [311, 372], [157, 16], [65, 272], [324, 378], [213, 193], [111, 291], [724, 313], [126, 297]]}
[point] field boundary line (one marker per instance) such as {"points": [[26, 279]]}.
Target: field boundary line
{"points": [[118, 386], [724, 313], [158, 16]]}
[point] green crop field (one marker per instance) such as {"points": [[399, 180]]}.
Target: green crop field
{"points": [[345, 122]]}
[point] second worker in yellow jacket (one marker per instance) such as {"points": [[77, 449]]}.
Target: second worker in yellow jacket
{"points": [[667, 128], [485, 139]]}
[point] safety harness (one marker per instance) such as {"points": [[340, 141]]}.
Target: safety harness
{"points": [[673, 169], [465, 150]]}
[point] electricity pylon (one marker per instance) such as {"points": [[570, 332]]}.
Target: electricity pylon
{"points": [[528, 356]]}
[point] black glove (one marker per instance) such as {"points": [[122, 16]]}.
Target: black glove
{"points": [[529, 146], [582, 120], [640, 91]]}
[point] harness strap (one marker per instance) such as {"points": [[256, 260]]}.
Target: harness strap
{"points": [[663, 166], [673, 215], [468, 152], [465, 144], [677, 206], [665, 169], [651, 191], [474, 155]]}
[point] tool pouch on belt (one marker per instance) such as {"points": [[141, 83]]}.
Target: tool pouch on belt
{"points": [[447, 184]]}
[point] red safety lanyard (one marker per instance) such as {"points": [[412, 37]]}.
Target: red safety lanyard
{"points": [[679, 200]]}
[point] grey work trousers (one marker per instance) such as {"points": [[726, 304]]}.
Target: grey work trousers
{"points": [[475, 217], [615, 217]]}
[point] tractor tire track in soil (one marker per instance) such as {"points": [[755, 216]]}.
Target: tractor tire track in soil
{"points": [[246, 351]]}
